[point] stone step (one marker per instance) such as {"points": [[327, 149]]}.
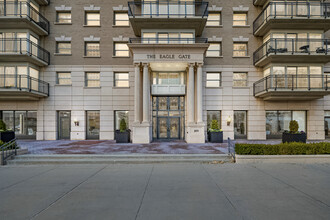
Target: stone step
{"points": [[118, 159]]}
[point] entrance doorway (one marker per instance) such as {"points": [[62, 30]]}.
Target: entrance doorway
{"points": [[64, 125], [168, 118], [327, 126], [240, 124]]}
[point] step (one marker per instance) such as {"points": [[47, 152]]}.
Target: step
{"points": [[119, 159]]}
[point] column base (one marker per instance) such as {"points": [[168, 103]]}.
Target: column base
{"points": [[141, 133], [195, 133]]}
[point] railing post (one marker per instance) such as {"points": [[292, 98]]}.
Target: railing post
{"points": [[275, 45], [293, 50], [20, 82], [326, 82], [326, 47], [266, 85], [292, 82], [30, 86], [275, 82], [309, 82]]}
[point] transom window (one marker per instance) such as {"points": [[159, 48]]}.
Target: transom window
{"points": [[214, 50], [214, 19], [213, 79], [92, 19], [240, 79], [121, 19], [64, 78], [121, 79], [121, 50], [164, 78], [240, 49], [92, 49], [240, 19], [92, 79], [63, 47], [63, 17]]}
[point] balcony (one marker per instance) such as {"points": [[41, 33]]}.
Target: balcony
{"points": [[22, 87], [17, 15], [259, 2], [292, 51], [168, 15], [292, 87], [22, 50], [42, 2], [295, 15], [168, 89], [168, 40]]}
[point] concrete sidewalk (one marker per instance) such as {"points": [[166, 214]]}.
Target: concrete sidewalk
{"points": [[165, 191]]}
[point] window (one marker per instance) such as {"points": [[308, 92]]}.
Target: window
{"points": [[92, 49], [213, 115], [63, 47], [24, 123], [163, 78], [92, 19], [240, 19], [240, 50], [121, 79], [63, 17], [120, 115], [64, 78], [121, 50], [213, 79], [92, 79], [239, 79], [214, 50], [240, 124], [93, 124], [121, 19], [214, 19]]}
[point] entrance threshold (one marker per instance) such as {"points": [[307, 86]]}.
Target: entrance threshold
{"points": [[169, 140]]}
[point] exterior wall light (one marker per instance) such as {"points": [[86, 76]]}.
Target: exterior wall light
{"points": [[76, 122], [228, 120]]}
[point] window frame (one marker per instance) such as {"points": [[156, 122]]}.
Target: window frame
{"points": [[59, 78], [86, 20], [208, 123], [240, 80], [58, 48], [219, 21], [63, 12], [245, 51], [88, 50], [115, 20], [115, 119], [246, 19], [115, 50], [220, 50], [120, 80], [214, 80], [94, 80]]}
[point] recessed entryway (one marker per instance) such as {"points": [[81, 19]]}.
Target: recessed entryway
{"points": [[64, 124]]}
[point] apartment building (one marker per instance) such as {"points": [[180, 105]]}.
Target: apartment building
{"points": [[74, 69]]}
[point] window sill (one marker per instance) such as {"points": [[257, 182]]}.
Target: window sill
{"points": [[91, 25], [62, 54], [68, 85], [120, 26], [59, 23], [241, 57], [120, 87], [91, 57], [215, 26], [120, 57], [241, 26], [86, 87], [215, 57], [241, 87], [220, 87]]}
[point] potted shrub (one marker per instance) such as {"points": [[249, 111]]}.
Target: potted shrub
{"points": [[214, 133], [123, 134], [294, 135], [6, 135]]}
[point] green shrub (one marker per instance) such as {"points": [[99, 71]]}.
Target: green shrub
{"points": [[294, 126], [2, 126], [214, 126], [294, 148], [122, 126]]}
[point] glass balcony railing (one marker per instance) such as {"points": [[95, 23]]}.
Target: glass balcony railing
{"points": [[168, 9], [23, 46], [292, 10], [292, 47], [23, 10], [23, 83], [298, 82], [168, 40]]}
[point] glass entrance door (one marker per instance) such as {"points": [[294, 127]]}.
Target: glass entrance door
{"points": [[168, 127], [64, 125], [240, 125]]}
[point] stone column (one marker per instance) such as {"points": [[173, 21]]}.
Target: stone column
{"points": [[199, 93], [137, 98], [191, 94], [146, 96]]}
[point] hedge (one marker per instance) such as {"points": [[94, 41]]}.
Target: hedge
{"points": [[293, 148]]}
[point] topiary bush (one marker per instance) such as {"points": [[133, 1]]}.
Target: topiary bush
{"points": [[214, 126], [2, 126], [122, 126], [294, 126]]}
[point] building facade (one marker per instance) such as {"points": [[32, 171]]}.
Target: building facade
{"points": [[73, 70]]}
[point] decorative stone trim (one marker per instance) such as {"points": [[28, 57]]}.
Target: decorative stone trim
{"points": [[92, 8], [63, 38], [215, 39], [120, 8], [240, 39], [92, 39], [214, 8], [63, 8], [120, 38], [241, 8]]}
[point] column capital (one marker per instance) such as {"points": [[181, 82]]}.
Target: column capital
{"points": [[200, 64], [191, 64], [145, 64], [136, 64]]}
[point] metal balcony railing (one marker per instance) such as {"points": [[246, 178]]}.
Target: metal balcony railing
{"points": [[23, 10], [287, 46], [299, 82], [292, 10], [168, 40], [19, 46], [23, 83], [168, 9]]}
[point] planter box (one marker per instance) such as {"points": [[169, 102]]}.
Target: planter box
{"points": [[288, 137], [7, 136], [302, 159], [215, 137], [122, 137]]}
